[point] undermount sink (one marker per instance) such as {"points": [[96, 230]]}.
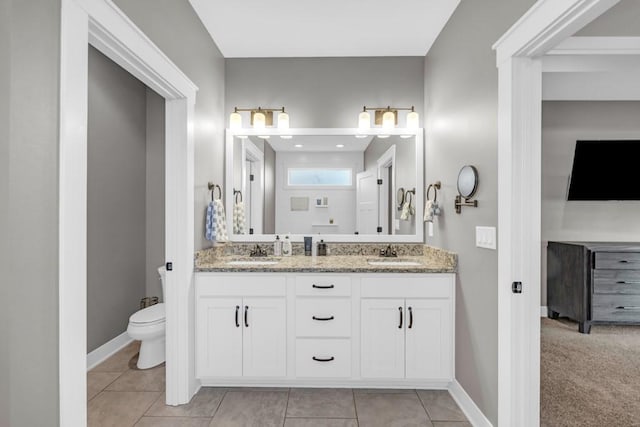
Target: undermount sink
{"points": [[254, 262], [393, 262]]}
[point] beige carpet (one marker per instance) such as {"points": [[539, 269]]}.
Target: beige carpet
{"points": [[589, 380]]}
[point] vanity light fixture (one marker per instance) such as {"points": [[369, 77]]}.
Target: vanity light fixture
{"points": [[261, 118], [387, 118]]}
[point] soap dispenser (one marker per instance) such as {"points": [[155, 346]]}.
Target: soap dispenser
{"points": [[286, 246], [277, 246]]}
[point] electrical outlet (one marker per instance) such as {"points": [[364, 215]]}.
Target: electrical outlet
{"points": [[486, 237]]}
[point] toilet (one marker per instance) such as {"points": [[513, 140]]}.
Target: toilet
{"points": [[148, 326]]}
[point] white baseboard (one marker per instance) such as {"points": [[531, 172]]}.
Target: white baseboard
{"points": [[544, 312], [106, 350], [468, 406]]}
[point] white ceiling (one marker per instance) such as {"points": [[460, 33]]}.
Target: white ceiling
{"points": [[317, 143], [297, 28]]}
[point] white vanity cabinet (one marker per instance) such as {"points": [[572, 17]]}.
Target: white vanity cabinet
{"points": [[330, 329], [240, 326]]}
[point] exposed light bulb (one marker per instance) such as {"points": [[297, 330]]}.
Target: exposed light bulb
{"points": [[413, 120], [235, 120], [364, 120], [283, 120]]}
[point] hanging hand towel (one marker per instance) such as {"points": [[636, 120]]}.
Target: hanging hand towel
{"points": [[428, 211], [220, 222], [407, 211], [238, 218], [210, 223]]}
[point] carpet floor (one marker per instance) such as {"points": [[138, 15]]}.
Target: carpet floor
{"points": [[589, 380]]}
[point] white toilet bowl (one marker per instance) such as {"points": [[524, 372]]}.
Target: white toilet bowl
{"points": [[148, 326]]}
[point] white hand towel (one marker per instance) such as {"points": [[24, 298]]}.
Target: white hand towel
{"points": [[221, 222], [407, 211], [428, 211], [238, 218]]}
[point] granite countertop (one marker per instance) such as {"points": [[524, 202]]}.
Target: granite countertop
{"points": [[433, 260]]}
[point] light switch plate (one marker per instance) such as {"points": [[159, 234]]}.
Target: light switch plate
{"points": [[486, 237]]}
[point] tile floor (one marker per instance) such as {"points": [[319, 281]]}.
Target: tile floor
{"points": [[120, 395]]}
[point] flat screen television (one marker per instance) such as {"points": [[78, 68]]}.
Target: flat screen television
{"points": [[605, 170]]}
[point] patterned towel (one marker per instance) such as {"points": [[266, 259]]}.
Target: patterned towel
{"points": [[210, 223], [238, 218], [220, 227], [428, 211], [407, 211]]}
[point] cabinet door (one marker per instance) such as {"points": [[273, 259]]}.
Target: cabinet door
{"points": [[264, 337], [382, 340], [218, 337], [429, 342]]}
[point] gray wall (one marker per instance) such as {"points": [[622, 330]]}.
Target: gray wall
{"points": [[176, 29], [564, 122], [461, 86], [116, 205], [324, 92], [619, 21], [30, 277], [154, 238]]}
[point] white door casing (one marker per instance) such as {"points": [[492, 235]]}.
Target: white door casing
{"points": [[545, 25], [104, 26]]}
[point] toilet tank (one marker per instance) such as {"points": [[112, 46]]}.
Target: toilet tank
{"points": [[162, 272]]}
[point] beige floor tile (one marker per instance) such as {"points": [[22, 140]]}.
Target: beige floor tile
{"points": [[203, 404], [251, 409], [391, 410], [119, 362], [172, 422], [140, 380], [118, 409], [321, 403], [440, 405], [319, 422], [98, 381], [451, 424]]}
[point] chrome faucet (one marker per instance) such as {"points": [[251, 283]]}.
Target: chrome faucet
{"points": [[388, 252], [257, 252]]}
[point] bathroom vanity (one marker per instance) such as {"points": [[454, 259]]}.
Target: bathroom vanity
{"points": [[326, 321]]}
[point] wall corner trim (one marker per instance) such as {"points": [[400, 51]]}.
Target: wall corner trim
{"points": [[468, 406], [107, 349]]}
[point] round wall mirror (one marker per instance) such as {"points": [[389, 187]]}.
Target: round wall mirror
{"points": [[467, 181]]}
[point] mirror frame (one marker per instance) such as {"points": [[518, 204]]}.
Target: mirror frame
{"points": [[418, 237]]}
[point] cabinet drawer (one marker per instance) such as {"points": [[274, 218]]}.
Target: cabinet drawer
{"points": [[323, 358], [325, 285], [323, 317], [618, 260], [616, 308], [616, 281], [240, 285], [406, 286]]}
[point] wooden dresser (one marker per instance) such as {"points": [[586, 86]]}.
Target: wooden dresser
{"points": [[594, 282]]}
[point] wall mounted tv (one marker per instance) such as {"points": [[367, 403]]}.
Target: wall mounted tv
{"points": [[605, 170]]}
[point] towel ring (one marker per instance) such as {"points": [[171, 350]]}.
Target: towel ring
{"points": [[237, 193], [436, 186], [212, 188], [409, 195], [400, 197]]}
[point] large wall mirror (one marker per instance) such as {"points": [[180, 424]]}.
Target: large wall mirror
{"points": [[336, 183]]}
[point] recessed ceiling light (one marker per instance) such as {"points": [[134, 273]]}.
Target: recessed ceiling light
{"points": [[286, 136], [298, 145], [340, 145], [361, 136]]}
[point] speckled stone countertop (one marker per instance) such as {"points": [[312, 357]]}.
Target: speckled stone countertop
{"points": [[432, 260]]}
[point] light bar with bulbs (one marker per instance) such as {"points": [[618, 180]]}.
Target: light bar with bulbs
{"points": [[261, 118], [387, 117]]}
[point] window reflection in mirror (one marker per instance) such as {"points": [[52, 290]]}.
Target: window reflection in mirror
{"points": [[326, 184]]}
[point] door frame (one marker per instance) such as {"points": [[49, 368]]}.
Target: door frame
{"points": [[251, 153], [386, 161], [518, 53], [101, 24]]}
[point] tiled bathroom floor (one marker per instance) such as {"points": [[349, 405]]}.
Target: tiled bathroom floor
{"points": [[120, 395]]}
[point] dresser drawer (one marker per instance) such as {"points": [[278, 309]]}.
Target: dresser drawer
{"points": [[616, 308], [616, 281], [323, 317], [618, 260], [323, 358], [325, 285]]}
